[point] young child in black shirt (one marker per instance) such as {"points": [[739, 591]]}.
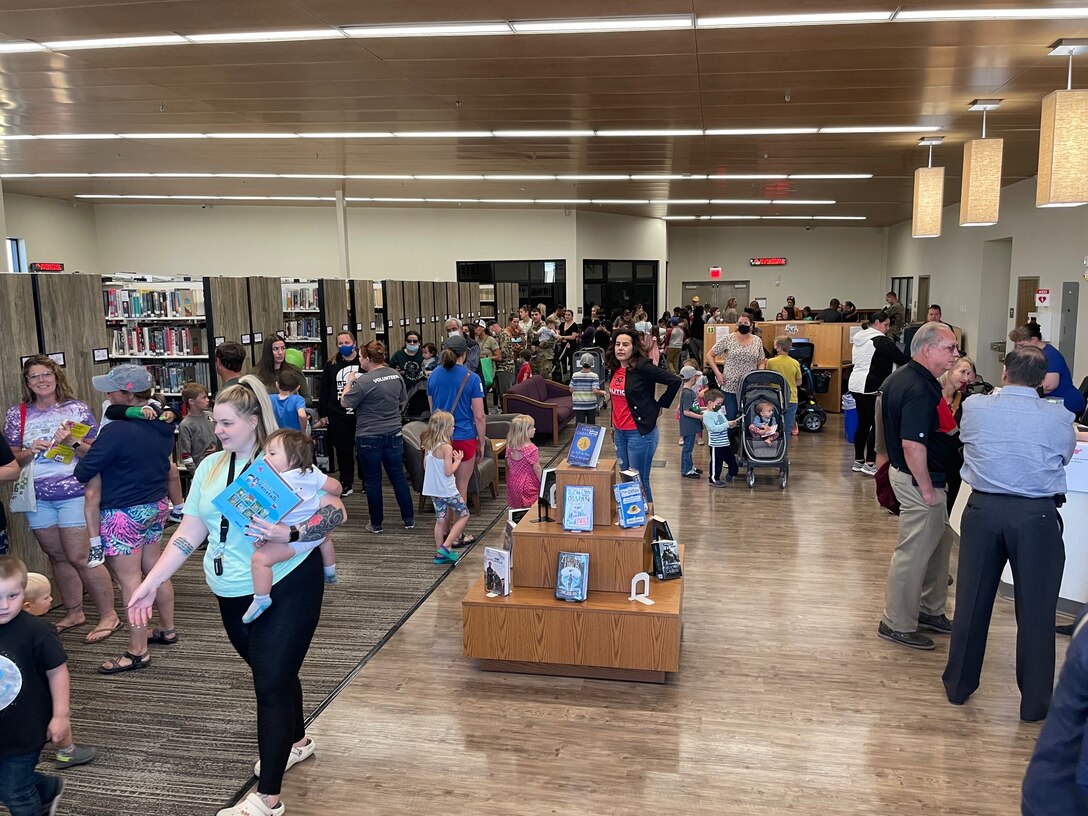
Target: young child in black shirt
{"points": [[34, 698]]}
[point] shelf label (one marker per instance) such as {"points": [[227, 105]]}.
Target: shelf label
{"points": [[218, 341], [246, 339], [343, 329], [100, 355], [258, 337], [372, 325]]}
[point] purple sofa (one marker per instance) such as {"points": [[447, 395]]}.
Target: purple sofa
{"points": [[548, 403]]}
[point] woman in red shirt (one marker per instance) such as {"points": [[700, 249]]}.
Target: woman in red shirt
{"points": [[632, 388]]}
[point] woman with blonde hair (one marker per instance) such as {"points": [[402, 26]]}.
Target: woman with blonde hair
{"points": [[275, 644], [440, 464], [522, 463], [731, 313]]}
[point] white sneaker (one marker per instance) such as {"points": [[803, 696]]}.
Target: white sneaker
{"points": [[253, 805], [869, 469], [294, 758]]}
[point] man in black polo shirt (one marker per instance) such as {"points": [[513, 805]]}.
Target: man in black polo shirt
{"points": [[918, 574]]}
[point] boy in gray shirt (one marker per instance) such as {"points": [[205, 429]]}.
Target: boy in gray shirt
{"points": [[196, 434]]}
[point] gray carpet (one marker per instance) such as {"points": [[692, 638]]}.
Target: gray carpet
{"points": [[180, 737]]}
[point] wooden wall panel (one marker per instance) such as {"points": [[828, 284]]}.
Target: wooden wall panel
{"points": [[366, 327], [228, 311], [413, 313], [335, 308], [441, 309], [74, 322], [266, 310], [393, 296], [427, 311], [453, 299], [19, 338], [465, 307], [475, 308]]}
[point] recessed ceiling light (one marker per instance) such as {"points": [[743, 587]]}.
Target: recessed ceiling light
{"points": [[430, 30], [20, 47], [115, 42], [760, 131], [443, 134], [266, 36], [279, 135], [992, 14], [930, 141], [882, 129], [830, 176], [740, 201], [543, 134], [361, 134], [748, 176], [603, 24], [653, 132], [800, 201], [831, 18]]}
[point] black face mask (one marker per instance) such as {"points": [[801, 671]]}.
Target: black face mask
{"points": [[744, 328]]}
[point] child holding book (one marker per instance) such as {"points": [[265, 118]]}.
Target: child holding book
{"points": [[439, 485], [196, 434], [291, 455], [764, 426], [36, 700], [288, 406], [717, 432], [526, 369], [585, 387], [38, 600], [522, 463], [691, 422]]}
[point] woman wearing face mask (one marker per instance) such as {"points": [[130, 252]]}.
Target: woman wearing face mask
{"points": [[739, 352], [408, 361], [341, 420]]}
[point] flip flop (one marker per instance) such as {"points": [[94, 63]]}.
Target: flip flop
{"points": [[104, 631], [62, 629]]}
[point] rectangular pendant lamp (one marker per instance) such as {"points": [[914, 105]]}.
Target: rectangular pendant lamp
{"points": [[928, 202], [980, 195], [1063, 150]]}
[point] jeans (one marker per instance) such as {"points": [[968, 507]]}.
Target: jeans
{"points": [[687, 464], [587, 415], [384, 450], [636, 452], [274, 647], [788, 419], [22, 789], [732, 405]]}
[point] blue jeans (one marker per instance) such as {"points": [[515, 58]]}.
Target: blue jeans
{"points": [[732, 405], [636, 452], [22, 789], [375, 452], [788, 419], [687, 464]]}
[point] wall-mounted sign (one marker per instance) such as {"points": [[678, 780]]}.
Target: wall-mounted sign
{"points": [[56, 356], [246, 339], [715, 272], [1042, 297], [219, 341], [766, 261], [46, 267], [100, 355], [258, 338]]}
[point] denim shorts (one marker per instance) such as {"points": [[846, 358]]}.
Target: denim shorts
{"points": [[57, 513]]}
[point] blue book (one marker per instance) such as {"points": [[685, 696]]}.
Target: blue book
{"points": [[585, 447], [258, 491], [572, 580], [578, 508], [630, 504]]}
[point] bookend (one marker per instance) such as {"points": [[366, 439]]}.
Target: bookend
{"points": [[644, 597]]}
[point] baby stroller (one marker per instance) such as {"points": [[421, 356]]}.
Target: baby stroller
{"points": [[757, 387], [810, 416], [418, 408]]}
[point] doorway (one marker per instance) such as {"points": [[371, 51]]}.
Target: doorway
{"points": [[716, 293], [1025, 298], [993, 304], [903, 288], [619, 285], [923, 295]]}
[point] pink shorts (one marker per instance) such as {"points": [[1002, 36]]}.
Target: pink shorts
{"points": [[466, 446]]}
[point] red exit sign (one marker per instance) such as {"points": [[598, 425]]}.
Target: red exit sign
{"points": [[766, 261], [46, 267], [715, 272]]}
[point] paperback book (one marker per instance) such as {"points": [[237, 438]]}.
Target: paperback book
{"points": [[578, 508], [632, 476], [66, 453], [630, 505], [585, 447], [547, 499], [666, 559], [257, 492], [496, 572], [661, 530], [572, 580]]}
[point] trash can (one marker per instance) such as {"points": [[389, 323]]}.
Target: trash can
{"points": [[850, 417]]}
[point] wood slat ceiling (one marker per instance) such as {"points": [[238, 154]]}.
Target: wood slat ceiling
{"points": [[882, 74]]}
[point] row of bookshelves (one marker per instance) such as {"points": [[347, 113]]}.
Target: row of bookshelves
{"points": [[303, 327], [166, 341], [124, 303]]}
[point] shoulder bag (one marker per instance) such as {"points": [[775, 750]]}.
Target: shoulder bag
{"points": [[23, 497]]}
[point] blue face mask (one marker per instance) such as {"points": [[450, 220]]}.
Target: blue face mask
{"points": [[412, 348], [515, 339], [345, 351]]}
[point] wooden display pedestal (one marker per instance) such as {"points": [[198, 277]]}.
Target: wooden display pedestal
{"points": [[615, 554], [601, 478]]}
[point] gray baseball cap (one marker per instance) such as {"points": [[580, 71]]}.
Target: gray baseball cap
{"points": [[456, 343], [688, 373], [128, 377]]}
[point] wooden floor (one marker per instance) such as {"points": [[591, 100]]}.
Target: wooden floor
{"points": [[786, 701]]}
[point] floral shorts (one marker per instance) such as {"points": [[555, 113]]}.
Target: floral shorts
{"points": [[126, 530], [454, 503]]}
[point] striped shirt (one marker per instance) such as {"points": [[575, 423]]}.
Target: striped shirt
{"points": [[717, 428], [582, 385]]}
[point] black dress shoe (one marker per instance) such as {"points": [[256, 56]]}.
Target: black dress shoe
{"points": [[1066, 629], [935, 623], [911, 640]]}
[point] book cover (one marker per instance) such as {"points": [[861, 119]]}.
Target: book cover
{"points": [[666, 559], [572, 578], [585, 447], [578, 508], [633, 476], [630, 504], [66, 453], [661, 531], [496, 572], [258, 491]]}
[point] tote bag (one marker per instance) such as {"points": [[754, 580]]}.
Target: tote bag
{"points": [[23, 498]]}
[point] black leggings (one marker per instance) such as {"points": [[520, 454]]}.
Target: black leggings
{"points": [[864, 436], [342, 437], [274, 647]]}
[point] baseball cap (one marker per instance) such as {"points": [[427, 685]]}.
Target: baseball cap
{"points": [[688, 373], [586, 360], [457, 344], [695, 299], [128, 377], [674, 321]]}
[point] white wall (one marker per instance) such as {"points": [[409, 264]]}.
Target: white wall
{"points": [[60, 231], [622, 238], [1049, 243], [822, 263]]}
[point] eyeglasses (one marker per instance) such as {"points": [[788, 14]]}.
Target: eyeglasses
{"points": [[45, 375]]}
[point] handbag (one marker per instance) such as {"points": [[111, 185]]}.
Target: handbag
{"points": [[23, 497], [487, 372]]}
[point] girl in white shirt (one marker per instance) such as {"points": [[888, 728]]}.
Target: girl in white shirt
{"points": [[439, 485]]}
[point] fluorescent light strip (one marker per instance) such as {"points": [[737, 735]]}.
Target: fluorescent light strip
{"points": [[748, 176], [586, 25], [266, 36], [810, 202], [651, 132], [668, 177], [760, 131], [992, 14], [430, 30], [20, 47], [740, 201], [813, 176], [763, 218], [882, 129], [115, 42], [766, 20], [365, 134], [544, 134], [253, 135]]}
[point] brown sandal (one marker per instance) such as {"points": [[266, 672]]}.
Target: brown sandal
{"points": [[164, 637], [136, 662]]}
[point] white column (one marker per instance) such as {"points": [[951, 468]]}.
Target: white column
{"points": [[342, 235]]}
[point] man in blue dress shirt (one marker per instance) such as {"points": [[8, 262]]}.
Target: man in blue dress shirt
{"points": [[1015, 448]]}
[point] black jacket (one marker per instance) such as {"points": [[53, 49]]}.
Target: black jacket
{"points": [[641, 385], [885, 356], [333, 381]]}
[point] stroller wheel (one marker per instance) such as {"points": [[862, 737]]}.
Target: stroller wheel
{"points": [[751, 479], [782, 477]]}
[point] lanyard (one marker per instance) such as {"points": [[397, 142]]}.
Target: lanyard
{"points": [[224, 527]]}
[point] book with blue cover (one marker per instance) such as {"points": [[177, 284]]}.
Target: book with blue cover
{"points": [[585, 447], [578, 508], [258, 491], [630, 504], [572, 579]]}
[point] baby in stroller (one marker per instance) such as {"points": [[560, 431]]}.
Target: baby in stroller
{"points": [[764, 423]]}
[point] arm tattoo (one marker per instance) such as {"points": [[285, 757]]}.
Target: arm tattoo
{"points": [[323, 522], [184, 545]]}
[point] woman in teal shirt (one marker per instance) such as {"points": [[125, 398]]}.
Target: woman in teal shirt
{"points": [[275, 644]]}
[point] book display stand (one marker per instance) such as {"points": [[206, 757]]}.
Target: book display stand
{"points": [[609, 635]]}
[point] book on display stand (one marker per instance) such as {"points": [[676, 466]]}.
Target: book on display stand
{"points": [[585, 446]]}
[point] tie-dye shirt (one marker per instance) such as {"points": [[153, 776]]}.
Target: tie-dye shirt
{"points": [[53, 480]]}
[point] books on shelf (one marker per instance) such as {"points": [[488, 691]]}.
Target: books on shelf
{"points": [[585, 447], [258, 491], [120, 302], [496, 572], [578, 508], [666, 555], [487, 293], [300, 297], [302, 327], [572, 578], [153, 341], [631, 505], [170, 377]]}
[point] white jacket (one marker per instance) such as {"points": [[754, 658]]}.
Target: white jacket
{"points": [[862, 356]]}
